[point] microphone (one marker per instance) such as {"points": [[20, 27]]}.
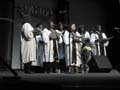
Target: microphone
{"points": [[63, 11]]}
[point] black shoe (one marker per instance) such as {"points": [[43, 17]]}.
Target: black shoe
{"points": [[57, 71], [27, 68], [71, 69], [77, 70]]}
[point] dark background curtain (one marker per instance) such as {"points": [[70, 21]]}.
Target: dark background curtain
{"points": [[6, 30]]}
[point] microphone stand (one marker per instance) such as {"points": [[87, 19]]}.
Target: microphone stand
{"points": [[68, 15]]}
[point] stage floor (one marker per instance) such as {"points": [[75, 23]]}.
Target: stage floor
{"points": [[60, 81]]}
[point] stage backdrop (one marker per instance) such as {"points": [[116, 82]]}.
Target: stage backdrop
{"points": [[40, 11]]}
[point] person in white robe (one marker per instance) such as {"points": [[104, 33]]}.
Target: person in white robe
{"points": [[51, 47], [102, 42], [72, 49], [86, 52], [93, 38], [61, 55], [28, 44], [47, 51]]}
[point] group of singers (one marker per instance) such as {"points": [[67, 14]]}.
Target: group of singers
{"points": [[59, 50]]}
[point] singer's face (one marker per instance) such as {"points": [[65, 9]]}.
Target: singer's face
{"points": [[52, 24], [73, 27], [99, 27], [61, 26], [41, 27]]}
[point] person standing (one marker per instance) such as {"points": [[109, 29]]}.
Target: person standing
{"points": [[86, 51], [102, 41], [93, 38], [28, 44], [47, 45], [72, 49], [51, 47], [40, 44], [61, 55]]}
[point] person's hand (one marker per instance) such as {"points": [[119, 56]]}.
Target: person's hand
{"points": [[104, 40], [76, 40], [38, 29]]}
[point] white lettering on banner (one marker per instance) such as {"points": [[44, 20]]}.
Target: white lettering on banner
{"points": [[32, 10]]}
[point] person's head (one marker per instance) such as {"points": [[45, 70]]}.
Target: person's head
{"points": [[81, 28], [51, 23], [60, 26], [73, 27], [40, 26], [99, 28]]}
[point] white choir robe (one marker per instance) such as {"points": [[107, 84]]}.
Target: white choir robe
{"points": [[104, 45], [28, 47], [49, 53], [93, 38], [105, 37], [87, 35], [68, 45], [40, 50]]}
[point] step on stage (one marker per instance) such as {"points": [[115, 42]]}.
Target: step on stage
{"points": [[60, 81]]}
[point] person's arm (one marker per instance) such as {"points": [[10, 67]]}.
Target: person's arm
{"points": [[37, 31], [92, 39], [105, 37], [27, 30], [59, 35], [66, 37]]}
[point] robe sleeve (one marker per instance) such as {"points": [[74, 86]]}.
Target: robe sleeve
{"points": [[60, 37], [27, 29], [92, 39], [87, 35], [66, 38], [105, 37], [78, 34]]}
